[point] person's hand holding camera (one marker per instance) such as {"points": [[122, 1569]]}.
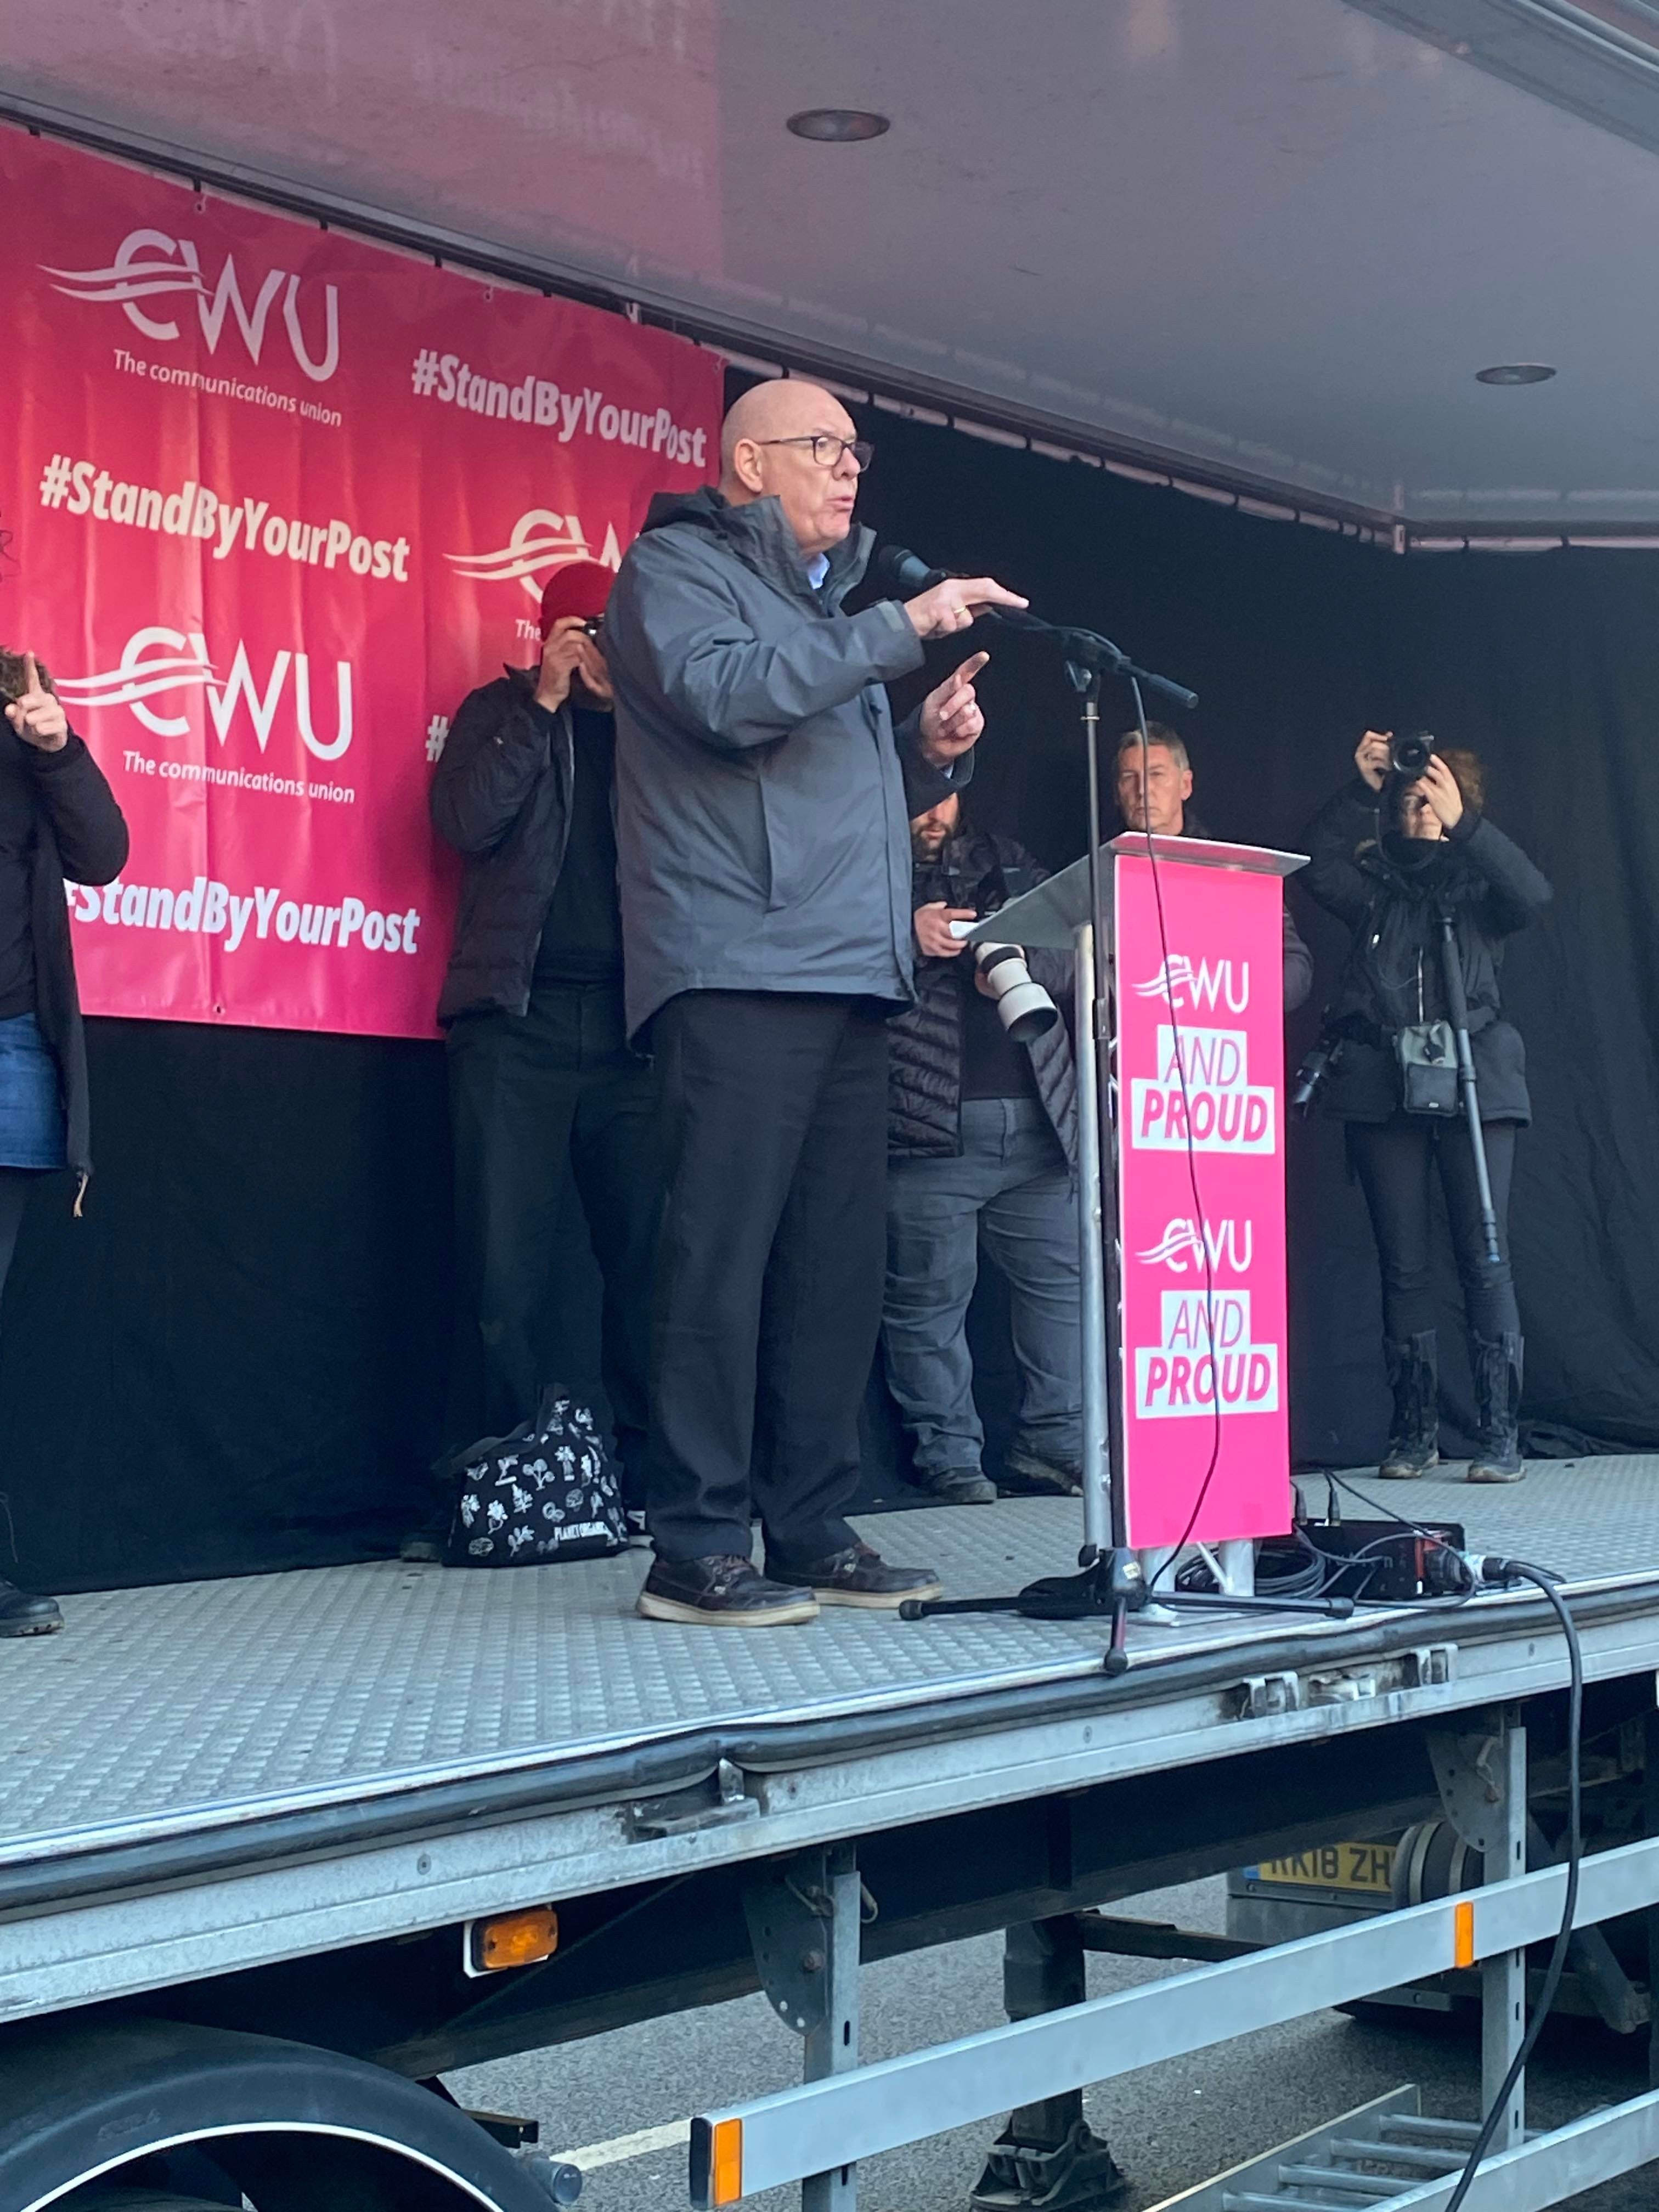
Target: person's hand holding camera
{"points": [[932, 925], [982, 984], [1439, 786], [35, 715], [571, 651], [1371, 757]]}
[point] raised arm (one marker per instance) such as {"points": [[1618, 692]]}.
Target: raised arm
{"points": [[671, 628], [1515, 890], [87, 825], [496, 748], [87, 821], [1333, 875]]}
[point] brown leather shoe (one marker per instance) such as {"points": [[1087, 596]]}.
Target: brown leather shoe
{"points": [[722, 1592], [859, 1576]]}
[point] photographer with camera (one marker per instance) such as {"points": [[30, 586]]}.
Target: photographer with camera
{"points": [[59, 820], [1406, 857], [982, 1143], [544, 1089]]}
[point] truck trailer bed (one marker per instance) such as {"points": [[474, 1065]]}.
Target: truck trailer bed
{"points": [[203, 1777]]}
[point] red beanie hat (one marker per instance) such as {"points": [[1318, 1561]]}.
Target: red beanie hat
{"points": [[579, 587]]}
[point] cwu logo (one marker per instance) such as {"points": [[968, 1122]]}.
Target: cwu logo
{"points": [[1184, 1244], [184, 664], [148, 265], [538, 541], [1198, 983]]}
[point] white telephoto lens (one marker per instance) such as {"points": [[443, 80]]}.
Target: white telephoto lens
{"points": [[1025, 1008]]}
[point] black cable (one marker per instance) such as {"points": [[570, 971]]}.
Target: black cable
{"points": [[1192, 1150], [1520, 1571]]}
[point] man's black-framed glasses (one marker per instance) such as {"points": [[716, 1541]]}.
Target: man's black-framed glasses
{"points": [[828, 450]]}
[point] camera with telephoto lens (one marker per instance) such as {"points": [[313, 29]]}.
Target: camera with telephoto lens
{"points": [[1026, 1010], [1409, 755], [1310, 1076]]}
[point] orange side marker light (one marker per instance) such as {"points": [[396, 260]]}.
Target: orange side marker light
{"points": [[1463, 1936], [726, 2165], [514, 1939]]}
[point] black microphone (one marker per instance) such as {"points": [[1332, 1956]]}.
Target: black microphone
{"points": [[902, 575], [898, 574]]}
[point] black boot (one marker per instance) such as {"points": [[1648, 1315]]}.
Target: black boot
{"points": [[1413, 1377], [22, 1613], [1498, 1399]]}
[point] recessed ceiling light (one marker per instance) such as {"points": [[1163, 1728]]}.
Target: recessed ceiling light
{"points": [[838, 126], [1515, 372]]}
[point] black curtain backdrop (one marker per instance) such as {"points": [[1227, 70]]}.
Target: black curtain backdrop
{"points": [[236, 1360]]}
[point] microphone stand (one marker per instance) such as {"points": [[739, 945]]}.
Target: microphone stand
{"points": [[1110, 1583]]}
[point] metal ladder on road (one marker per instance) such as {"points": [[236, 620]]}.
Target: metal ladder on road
{"points": [[1372, 2156]]}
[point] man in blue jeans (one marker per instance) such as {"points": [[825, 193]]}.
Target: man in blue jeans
{"points": [[981, 1142]]}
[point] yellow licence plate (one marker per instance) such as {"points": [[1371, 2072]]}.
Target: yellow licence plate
{"points": [[1363, 1866]]}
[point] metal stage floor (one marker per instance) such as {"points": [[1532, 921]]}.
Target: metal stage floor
{"points": [[166, 1712]]}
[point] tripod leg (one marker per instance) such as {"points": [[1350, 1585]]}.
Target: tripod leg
{"points": [[1458, 1005]]}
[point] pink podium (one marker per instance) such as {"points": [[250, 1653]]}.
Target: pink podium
{"points": [[1186, 1430]]}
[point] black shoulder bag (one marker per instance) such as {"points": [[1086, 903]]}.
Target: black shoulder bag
{"points": [[1426, 1053]]}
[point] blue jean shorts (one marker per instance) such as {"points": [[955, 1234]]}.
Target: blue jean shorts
{"points": [[32, 1129]]}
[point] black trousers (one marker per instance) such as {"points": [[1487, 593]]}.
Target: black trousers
{"points": [[1394, 1161], [535, 1100], [770, 1268], [14, 1184]]}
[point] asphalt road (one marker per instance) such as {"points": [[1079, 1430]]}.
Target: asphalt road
{"points": [[1170, 2127]]}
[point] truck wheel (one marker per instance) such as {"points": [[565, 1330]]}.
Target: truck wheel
{"points": [[135, 2200]]}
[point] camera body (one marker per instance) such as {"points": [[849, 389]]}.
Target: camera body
{"points": [[1410, 753], [1315, 1071]]}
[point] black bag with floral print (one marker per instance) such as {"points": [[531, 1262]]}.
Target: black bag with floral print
{"points": [[547, 1491]]}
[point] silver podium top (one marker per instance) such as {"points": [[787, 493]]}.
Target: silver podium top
{"points": [[1051, 915]]}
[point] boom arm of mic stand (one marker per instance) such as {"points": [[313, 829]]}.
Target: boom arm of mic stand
{"points": [[1093, 651]]}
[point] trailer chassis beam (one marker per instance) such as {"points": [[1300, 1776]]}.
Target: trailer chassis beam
{"points": [[773, 2141]]}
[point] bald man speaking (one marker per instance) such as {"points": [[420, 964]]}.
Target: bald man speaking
{"points": [[765, 861]]}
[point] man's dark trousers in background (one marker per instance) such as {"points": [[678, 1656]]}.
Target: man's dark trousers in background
{"points": [[537, 1099], [769, 1267]]}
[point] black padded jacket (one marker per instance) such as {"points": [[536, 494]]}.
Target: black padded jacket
{"points": [[924, 1077], [1389, 891], [501, 796], [81, 836]]}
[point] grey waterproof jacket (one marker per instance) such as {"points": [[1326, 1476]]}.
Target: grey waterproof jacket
{"points": [[763, 813]]}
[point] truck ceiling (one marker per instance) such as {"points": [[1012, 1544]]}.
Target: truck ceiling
{"points": [[1272, 240]]}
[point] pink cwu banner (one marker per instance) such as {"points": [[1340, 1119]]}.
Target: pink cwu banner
{"points": [[274, 501]]}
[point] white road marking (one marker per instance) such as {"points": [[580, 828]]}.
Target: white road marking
{"points": [[621, 2149]]}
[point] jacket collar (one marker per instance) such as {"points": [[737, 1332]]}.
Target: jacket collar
{"points": [[760, 537]]}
